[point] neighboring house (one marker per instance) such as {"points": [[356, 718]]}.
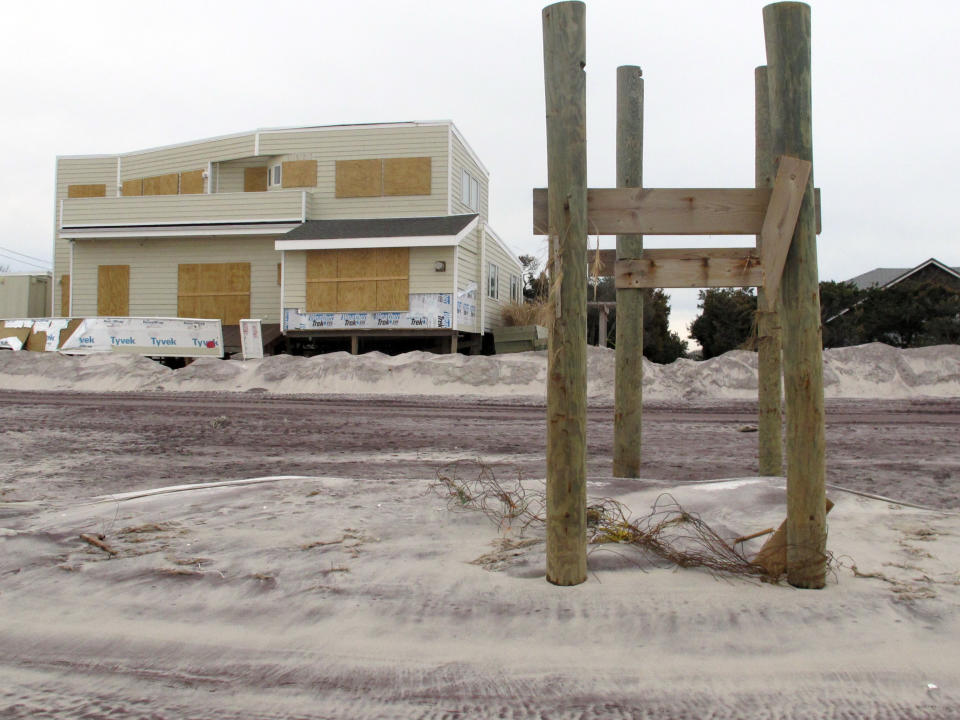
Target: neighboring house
{"points": [[929, 271], [24, 295], [336, 231]]}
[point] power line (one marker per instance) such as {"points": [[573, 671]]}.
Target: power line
{"points": [[17, 252], [24, 262]]}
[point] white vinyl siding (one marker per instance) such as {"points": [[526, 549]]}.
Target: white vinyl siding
{"points": [[219, 207], [461, 160], [154, 271], [507, 264], [328, 145], [76, 171], [189, 156]]}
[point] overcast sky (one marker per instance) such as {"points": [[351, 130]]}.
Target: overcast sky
{"points": [[105, 77]]}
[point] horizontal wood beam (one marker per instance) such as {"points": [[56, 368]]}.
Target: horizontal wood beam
{"points": [[691, 267], [669, 211]]}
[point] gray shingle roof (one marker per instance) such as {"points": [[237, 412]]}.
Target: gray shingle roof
{"points": [[380, 227], [883, 276]]}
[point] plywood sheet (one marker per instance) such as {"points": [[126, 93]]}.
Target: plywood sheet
{"points": [[393, 295], [214, 290], [359, 178], [85, 191], [299, 173], [64, 296], [322, 264], [168, 184], [393, 262], [321, 296], [113, 290], [36, 342], [255, 179], [191, 182], [359, 296], [133, 188], [68, 330], [357, 264], [406, 176]]}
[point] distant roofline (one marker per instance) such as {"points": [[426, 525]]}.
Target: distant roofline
{"points": [[900, 274], [293, 128]]}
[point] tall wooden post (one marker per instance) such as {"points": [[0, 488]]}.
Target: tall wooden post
{"points": [[769, 388], [564, 58], [787, 31], [628, 393]]}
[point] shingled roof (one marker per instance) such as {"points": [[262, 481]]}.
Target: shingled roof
{"points": [[883, 277]]}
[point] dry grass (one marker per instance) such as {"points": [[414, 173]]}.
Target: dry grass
{"points": [[526, 313], [669, 531]]}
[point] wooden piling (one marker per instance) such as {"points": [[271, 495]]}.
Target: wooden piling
{"points": [[564, 58], [628, 392], [769, 387], [787, 33]]}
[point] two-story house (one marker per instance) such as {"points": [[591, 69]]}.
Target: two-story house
{"points": [[345, 231]]}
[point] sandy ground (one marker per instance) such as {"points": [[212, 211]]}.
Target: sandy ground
{"points": [[339, 584]]}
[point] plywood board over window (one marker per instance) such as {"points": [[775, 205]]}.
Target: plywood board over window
{"points": [[113, 290], [64, 296], [133, 188], [299, 173], [255, 179], [214, 291], [191, 182], [358, 280], [86, 191], [406, 176], [168, 184], [359, 178]]}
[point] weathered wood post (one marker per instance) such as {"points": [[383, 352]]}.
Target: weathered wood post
{"points": [[787, 32], [769, 387], [628, 385], [564, 58]]}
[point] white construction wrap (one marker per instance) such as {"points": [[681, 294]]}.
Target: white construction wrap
{"points": [[251, 339], [177, 337], [427, 311]]}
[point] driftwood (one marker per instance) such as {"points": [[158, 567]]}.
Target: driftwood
{"points": [[98, 543]]}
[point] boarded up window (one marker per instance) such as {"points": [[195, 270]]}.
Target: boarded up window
{"points": [[85, 191], [168, 184], [255, 179], [133, 188], [359, 178], [214, 291], [406, 176], [64, 296], [299, 173], [191, 183], [113, 290], [358, 280]]}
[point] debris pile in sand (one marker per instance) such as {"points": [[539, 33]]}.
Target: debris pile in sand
{"points": [[865, 371]]}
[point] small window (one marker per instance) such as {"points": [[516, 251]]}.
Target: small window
{"points": [[492, 281], [515, 288], [469, 190], [274, 176]]}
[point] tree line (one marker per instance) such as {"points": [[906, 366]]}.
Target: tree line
{"points": [[908, 314]]}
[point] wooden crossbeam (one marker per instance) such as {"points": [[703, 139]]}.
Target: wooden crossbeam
{"points": [[691, 267], [670, 211], [780, 221]]}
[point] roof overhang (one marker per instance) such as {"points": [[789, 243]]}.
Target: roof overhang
{"points": [[167, 231], [380, 232]]}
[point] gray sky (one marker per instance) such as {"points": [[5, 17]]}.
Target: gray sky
{"points": [[107, 77]]}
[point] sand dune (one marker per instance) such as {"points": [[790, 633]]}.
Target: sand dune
{"points": [[865, 371]]}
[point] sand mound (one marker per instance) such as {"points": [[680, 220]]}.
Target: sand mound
{"points": [[865, 371]]}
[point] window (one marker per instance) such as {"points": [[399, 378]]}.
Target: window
{"points": [[492, 281], [515, 288], [274, 176], [469, 190]]}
